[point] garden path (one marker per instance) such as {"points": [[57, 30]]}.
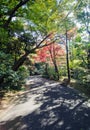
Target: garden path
{"points": [[47, 106]]}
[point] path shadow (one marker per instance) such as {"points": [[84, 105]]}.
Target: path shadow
{"points": [[61, 109]]}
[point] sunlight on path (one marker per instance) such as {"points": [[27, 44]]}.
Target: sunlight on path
{"points": [[47, 106]]}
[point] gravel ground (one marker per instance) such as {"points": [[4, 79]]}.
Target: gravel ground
{"points": [[47, 105]]}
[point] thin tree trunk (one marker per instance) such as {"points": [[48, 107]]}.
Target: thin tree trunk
{"points": [[56, 69], [53, 57], [67, 57], [88, 54], [1, 79], [88, 60], [46, 68]]}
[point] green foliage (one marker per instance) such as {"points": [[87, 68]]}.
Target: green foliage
{"points": [[32, 22], [83, 14], [78, 73], [74, 64], [78, 38], [3, 35], [37, 69], [63, 71], [78, 64], [12, 79], [51, 74]]}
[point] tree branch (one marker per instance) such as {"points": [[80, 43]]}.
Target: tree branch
{"points": [[12, 13], [47, 44], [39, 45]]}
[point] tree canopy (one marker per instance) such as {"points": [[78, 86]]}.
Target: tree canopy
{"points": [[26, 26]]}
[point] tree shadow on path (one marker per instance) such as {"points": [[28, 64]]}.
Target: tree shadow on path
{"points": [[61, 108]]}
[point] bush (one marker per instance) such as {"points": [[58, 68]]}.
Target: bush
{"points": [[63, 71], [51, 74], [78, 73], [37, 69], [12, 79]]}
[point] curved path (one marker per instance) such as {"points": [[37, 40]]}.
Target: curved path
{"points": [[47, 106]]}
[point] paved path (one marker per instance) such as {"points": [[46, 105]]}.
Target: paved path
{"points": [[47, 106]]}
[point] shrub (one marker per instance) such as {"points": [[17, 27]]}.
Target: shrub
{"points": [[78, 73], [63, 71], [38, 69], [12, 80], [51, 74]]}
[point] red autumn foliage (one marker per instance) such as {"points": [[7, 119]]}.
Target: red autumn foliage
{"points": [[49, 53]]}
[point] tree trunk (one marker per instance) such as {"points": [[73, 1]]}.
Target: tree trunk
{"points": [[19, 62], [67, 57], [46, 68], [1, 79], [88, 54], [88, 59], [56, 69]]}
